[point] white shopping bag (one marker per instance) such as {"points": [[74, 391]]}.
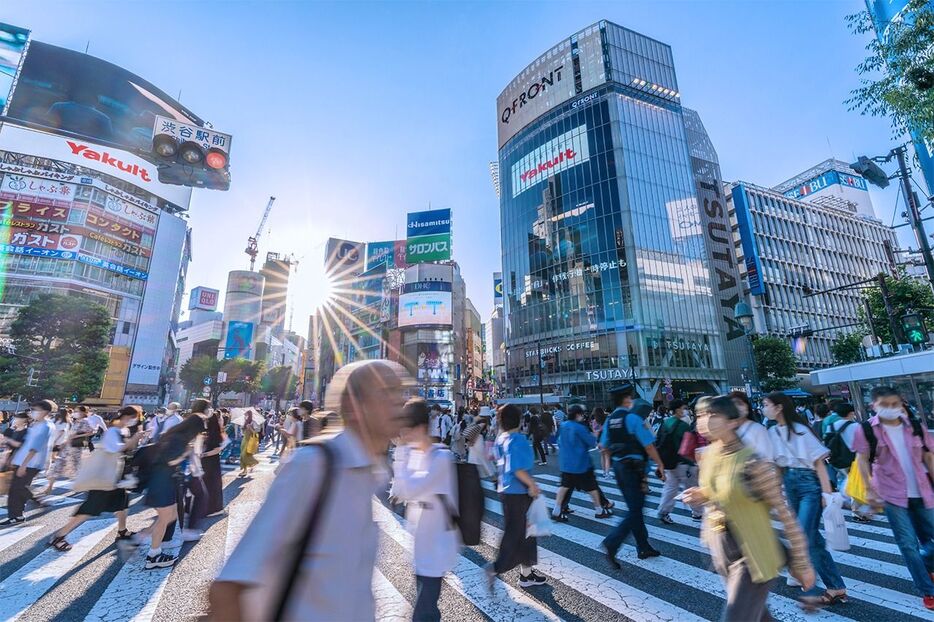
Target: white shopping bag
{"points": [[835, 524], [538, 521]]}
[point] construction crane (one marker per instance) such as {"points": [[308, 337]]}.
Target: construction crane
{"points": [[251, 244]]}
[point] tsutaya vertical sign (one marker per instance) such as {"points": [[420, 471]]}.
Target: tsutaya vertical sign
{"points": [[559, 154]]}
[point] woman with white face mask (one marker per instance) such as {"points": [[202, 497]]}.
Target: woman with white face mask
{"points": [[752, 434], [801, 455]]}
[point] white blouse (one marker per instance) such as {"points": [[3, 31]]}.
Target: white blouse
{"points": [[801, 451], [421, 480]]}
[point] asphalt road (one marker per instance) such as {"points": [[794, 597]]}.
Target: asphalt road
{"points": [[91, 583]]}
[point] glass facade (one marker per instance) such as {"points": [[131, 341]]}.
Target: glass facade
{"points": [[604, 265]]}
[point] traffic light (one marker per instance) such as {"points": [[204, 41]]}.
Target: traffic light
{"points": [[188, 155], [913, 327], [871, 171]]}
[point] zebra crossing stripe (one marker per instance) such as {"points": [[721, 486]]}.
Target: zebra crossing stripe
{"points": [[860, 590], [636, 605], [132, 595], [469, 580], [24, 587], [781, 607], [391, 606], [239, 517], [13, 535]]}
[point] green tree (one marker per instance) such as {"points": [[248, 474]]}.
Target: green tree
{"points": [[195, 370], [64, 339], [775, 363], [279, 382], [848, 348], [897, 75], [242, 375], [905, 294]]}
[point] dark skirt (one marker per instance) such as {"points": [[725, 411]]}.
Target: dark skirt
{"points": [[213, 481], [162, 488], [104, 502]]}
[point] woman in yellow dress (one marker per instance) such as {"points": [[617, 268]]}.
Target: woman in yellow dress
{"points": [[248, 445]]}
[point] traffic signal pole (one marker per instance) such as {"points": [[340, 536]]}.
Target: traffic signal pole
{"points": [[914, 213]]}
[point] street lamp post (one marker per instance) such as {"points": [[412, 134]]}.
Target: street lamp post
{"points": [[742, 313]]}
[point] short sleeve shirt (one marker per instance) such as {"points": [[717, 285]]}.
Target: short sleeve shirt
{"points": [[635, 426], [38, 437], [800, 451], [513, 453]]}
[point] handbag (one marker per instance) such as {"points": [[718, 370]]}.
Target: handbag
{"points": [[538, 521], [99, 471], [252, 445], [688, 445], [835, 524]]}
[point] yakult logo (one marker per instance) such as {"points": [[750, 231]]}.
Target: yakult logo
{"points": [[565, 151], [105, 158]]}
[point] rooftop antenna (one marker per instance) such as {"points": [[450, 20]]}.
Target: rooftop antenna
{"points": [[87, 45]]}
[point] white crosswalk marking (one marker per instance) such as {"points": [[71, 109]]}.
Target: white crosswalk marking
{"points": [[391, 606], [469, 579], [25, 586], [13, 535], [132, 595]]}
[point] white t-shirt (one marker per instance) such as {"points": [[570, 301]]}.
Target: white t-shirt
{"points": [[113, 440], [756, 437], [434, 425], [61, 433], [896, 437], [798, 452], [97, 423]]}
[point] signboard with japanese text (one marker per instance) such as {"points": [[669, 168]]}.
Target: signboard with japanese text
{"points": [[114, 162], [131, 212], [24, 209], [205, 138], [426, 248], [113, 267], [114, 226], [379, 253], [34, 189], [37, 239]]}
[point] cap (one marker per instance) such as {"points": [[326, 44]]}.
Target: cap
{"points": [[641, 408]]}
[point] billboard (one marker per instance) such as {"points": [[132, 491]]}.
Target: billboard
{"points": [[239, 340], [826, 180], [558, 154], [428, 236], [72, 92], [550, 80], [379, 253], [432, 365], [203, 298], [114, 162], [747, 236], [41, 191], [498, 289], [425, 308], [12, 45], [343, 258]]}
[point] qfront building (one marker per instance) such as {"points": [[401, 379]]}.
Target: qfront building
{"points": [[611, 267]]}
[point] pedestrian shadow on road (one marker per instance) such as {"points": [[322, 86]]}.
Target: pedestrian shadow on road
{"points": [[545, 595]]}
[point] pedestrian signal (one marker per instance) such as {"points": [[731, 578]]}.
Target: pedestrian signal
{"points": [[914, 329]]}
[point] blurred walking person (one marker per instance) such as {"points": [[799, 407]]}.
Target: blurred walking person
{"points": [[214, 442], [68, 460], [680, 472], [31, 457], [249, 445], [574, 444], [309, 552]]}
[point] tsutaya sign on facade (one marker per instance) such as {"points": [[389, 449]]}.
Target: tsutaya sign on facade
{"points": [[559, 154], [605, 375]]}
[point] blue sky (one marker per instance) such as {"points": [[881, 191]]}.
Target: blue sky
{"points": [[353, 114]]}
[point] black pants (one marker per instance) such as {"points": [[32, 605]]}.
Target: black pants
{"points": [[199, 502], [515, 548], [426, 601], [213, 481], [20, 493], [604, 502], [539, 446], [630, 476]]}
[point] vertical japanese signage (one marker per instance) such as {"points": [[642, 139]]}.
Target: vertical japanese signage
{"points": [[379, 253], [428, 236]]}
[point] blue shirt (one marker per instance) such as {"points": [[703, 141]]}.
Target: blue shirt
{"points": [[635, 426], [574, 442], [513, 453]]}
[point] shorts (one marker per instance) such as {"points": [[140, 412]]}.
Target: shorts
{"points": [[162, 487], [585, 482]]}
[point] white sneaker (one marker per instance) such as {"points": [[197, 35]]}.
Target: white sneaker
{"points": [[176, 542], [191, 535]]}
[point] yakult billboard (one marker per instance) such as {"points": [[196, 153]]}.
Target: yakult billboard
{"points": [[559, 154]]}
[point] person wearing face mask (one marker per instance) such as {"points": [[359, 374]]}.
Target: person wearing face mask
{"points": [[801, 455], [31, 457], [741, 491], [309, 552], [752, 434], [680, 472], [165, 420], [893, 455]]}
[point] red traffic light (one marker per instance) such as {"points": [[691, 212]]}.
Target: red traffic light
{"points": [[216, 159]]}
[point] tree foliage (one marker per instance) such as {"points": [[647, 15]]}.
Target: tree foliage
{"points": [[906, 294], [896, 70], [775, 363], [242, 375], [848, 348], [64, 339], [279, 383]]}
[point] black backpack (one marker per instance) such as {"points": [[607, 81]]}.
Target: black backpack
{"points": [[667, 444], [470, 500], [841, 457]]}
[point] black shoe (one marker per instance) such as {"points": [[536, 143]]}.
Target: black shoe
{"points": [[531, 579], [609, 505], [12, 520], [125, 534], [162, 560], [559, 518], [648, 553], [568, 510], [666, 518], [697, 516], [606, 513], [611, 556]]}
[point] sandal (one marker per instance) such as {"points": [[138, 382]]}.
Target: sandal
{"points": [[59, 543], [823, 600]]}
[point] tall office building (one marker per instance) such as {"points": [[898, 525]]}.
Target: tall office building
{"points": [[605, 261], [790, 248], [275, 271]]}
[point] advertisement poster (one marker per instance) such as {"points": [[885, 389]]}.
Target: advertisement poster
{"points": [[428, 223], [426, 248], [344, 259], [432, 366], [498, 288], [203, 298], [239, 340], [379, 253], [12, 44], [41, 191], [425, 308]]}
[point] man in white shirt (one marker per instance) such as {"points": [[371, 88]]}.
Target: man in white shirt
{"points": [[337, 585], [31, 457], [164, 421], [434, 423]]}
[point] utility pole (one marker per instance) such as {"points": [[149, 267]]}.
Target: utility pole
{"points": [[889, 310], [914, 213]]}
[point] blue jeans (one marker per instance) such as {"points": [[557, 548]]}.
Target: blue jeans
{"points": [[629, 477], [804, 496], [913, 528]]}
